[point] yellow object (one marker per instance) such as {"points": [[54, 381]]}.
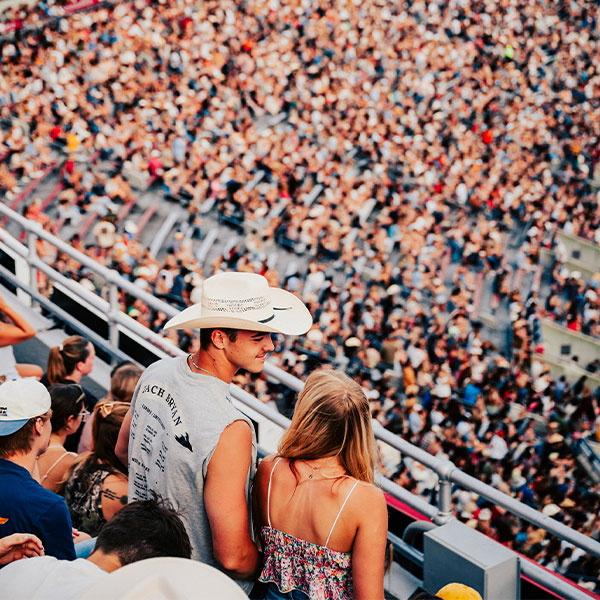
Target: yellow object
{"points": [[72, 142], [458, 591]]}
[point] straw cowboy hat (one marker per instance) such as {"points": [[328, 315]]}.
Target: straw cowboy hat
{"points": [[244, 301]]}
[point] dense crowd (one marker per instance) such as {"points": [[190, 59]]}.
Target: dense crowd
{"points": [[440, 133]]}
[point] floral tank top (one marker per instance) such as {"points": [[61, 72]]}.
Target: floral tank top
{"points": [[83, 495], [295, 564]]}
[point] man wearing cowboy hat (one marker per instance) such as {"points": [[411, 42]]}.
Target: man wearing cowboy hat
{"points": [[187, 441]]}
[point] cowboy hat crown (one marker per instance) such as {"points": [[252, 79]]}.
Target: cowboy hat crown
{"points": [[244, 301]]}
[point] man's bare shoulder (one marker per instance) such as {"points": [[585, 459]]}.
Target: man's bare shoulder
{"points": [[237, 434]]}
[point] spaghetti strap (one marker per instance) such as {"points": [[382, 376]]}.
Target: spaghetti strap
{"points": [[340, 512], [269, 492], [54, 464]]}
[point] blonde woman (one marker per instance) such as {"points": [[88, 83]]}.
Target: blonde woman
{"points": [[323, 522]]}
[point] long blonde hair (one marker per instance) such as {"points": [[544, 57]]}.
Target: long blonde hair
{"points": [[332, 418]]}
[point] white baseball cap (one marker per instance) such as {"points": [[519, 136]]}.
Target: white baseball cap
{"points": [[21, 400]]}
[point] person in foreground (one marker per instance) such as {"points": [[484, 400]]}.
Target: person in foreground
{"points": [[323, 521], [25, 413], [144, 529], [187, 441]]}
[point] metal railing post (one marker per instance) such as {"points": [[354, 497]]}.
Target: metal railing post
{"points": [[32, 238], [113, 301], [444, 513]]}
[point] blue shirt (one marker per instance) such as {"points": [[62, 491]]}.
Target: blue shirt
{"points": [[30, 508]]}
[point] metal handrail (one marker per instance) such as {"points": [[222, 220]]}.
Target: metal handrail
{"points": [[448, 473], [112, 277]]}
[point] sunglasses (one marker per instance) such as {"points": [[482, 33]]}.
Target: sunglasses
{"points": [[84, 415]]}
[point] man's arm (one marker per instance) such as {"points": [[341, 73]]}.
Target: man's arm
{"points": [[122, 447], [225, 503]]}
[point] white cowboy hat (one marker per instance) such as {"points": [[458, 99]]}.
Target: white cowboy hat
{"points": [[244, 301], [165, 578]]}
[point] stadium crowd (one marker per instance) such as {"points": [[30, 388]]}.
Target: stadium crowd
{"points": [[440, 134]]}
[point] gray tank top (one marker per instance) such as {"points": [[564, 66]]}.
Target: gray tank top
{"points": [[177, 420]]}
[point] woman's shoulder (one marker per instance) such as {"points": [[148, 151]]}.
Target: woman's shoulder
{"points": [[368, 495], [270, 460], [116, 481], [114, 494], [267, 464]]}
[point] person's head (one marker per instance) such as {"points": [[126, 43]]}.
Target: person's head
{"points": [[241, 349], [108, 417], [68, 409], [332, 418], [144, 529], [206, 336], [123, 381], [25, 413], [73, 358]]}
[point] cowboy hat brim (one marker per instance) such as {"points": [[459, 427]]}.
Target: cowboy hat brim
{"points": [[289, 317]]}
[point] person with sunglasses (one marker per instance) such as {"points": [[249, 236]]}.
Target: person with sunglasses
{"points": [[96, 487], [68, 412]]}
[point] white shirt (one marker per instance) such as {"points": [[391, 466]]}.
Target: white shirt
{"points": [[8, 364], [498, 448], [47, 578], [416, 356]]}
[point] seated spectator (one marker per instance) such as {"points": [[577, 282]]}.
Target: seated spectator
{"points": [[123, 380], [68, 412], [14, 329], [143, 529], [97, 485], [24, 434], [69, 362]]}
